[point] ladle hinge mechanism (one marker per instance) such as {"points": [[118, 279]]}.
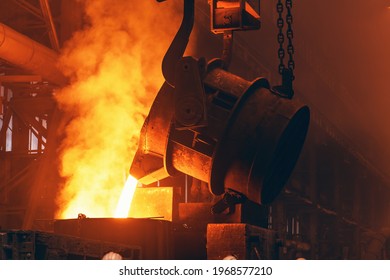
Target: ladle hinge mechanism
{"points": [[229, 200]]}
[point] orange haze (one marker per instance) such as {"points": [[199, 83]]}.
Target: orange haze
{"points": [[114, 64]]}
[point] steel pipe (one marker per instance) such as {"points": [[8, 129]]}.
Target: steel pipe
{"points": [[26, 53]]}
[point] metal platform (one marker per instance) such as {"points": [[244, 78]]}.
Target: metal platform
{"points": [[36, 245], [153, 236]]}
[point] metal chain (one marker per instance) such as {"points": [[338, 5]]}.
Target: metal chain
{"points": [[280, 25], [289, 35]]}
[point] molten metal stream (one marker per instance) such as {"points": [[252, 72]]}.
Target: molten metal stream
{"points": [[124, 203]]}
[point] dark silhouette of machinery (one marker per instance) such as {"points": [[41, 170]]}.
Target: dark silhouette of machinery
{"points": [[235, 135]]}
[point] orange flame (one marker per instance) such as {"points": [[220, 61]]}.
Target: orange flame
{"points": [[115, 68]]}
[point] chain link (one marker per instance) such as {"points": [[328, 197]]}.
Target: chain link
{"points": [[289, 35], [280, 25]]}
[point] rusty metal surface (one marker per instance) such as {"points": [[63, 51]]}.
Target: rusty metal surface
{"points": [[241, 241], [265, 140], [179, 44], [200, 214], [154, 237], [250, 142], [234, 16], [190, 101], [155, 202], [191, 162], [38, 245], [148, 164], [247, 149]]}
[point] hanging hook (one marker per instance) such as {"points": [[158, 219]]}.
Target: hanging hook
{"points": [[179, 44]]}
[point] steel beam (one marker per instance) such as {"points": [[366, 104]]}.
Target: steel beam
{"points": [[20, 78], [30, 8], [47, 16]]}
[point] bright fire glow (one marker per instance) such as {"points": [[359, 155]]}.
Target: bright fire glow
{"points": [[114, 65], [123, 206]]}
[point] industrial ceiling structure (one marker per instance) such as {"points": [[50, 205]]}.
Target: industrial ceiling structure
{"points": [[335, 203]]}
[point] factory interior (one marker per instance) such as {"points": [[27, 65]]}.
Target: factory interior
{"points": [[194, 129]]}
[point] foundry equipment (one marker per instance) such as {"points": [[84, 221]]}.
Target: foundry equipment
{"points": [[235, 140], [240, 137]]}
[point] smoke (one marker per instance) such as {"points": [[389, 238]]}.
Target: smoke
{"points": [[114, 65]]}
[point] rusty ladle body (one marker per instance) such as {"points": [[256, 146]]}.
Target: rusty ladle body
{"points": [[218, 127]]}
